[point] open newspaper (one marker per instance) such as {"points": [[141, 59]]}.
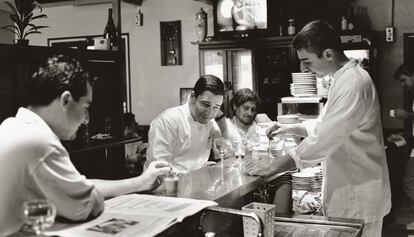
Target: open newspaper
{"points": [[136, 215]]}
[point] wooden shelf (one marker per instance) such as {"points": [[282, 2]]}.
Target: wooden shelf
{"points": [[99, 144]]}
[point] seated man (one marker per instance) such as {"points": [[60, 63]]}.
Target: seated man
{"points": [[33, 162], [183, 135]]}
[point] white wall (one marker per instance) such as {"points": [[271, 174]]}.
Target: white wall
{"points": [[154, 87], [6, 37]]}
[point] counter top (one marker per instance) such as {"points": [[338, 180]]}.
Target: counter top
{"points": [[216, 183]]}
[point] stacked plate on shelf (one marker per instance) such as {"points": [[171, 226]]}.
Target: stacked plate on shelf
{"points": [[303, 84], [309, 179], [306, 191]]}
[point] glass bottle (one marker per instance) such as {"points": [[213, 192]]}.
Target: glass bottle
{"points": [[291, 27], [110, 31], [201, 25]]}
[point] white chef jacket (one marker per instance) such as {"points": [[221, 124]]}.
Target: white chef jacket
{"points": [[347, 138], [35, 165], [176, 137]]}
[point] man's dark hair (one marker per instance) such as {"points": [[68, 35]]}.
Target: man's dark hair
{"points": [[242, 96], [317, 36], [404, 69], [208, 83], [58, 74]]}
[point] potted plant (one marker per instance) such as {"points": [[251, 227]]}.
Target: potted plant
{"points": [[22, 14]]}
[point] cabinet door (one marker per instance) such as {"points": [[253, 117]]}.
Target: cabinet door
{"points": [[240, 68], [274, 67], [213, 62]]}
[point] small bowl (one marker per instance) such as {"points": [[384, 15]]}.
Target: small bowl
{"points": [[288, 118]]}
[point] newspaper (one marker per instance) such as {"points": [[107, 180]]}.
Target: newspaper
{"points": [[136, 215]]}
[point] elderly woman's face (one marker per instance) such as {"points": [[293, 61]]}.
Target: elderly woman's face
{"points": [[246, 112]]}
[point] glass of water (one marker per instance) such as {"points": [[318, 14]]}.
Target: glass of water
{"points": [[39, 215]]}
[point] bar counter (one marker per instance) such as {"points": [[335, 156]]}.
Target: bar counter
{"points": [[224, 185]]}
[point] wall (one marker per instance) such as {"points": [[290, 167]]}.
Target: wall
{"points": [[6, 37], [378, 16], [154, 87]]}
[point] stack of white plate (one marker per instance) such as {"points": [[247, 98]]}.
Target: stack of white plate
{"points": [[309, 179], [322, 85], [304, 84]]}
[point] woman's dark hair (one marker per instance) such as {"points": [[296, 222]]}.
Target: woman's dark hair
{"points": [[404, 69], [208, 83], [316, 36], [57, 75], [242, 96]]}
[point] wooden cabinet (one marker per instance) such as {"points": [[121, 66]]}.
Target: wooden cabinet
{"points": [[18, 63], [263, 65]]}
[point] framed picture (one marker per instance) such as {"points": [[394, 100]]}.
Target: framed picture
{"points": [[184, 94], [87, 42]]}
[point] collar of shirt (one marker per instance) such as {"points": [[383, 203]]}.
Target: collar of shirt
{"points": [[31, 117]]}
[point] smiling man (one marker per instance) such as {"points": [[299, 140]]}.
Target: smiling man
{"points": [[347, 137], [183, 135]]}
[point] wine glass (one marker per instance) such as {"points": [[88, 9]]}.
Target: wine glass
{"points": [[240, 151], [39, 215], [221, 146]]}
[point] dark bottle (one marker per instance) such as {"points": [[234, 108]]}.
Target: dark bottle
{"points": [[110, 31]]}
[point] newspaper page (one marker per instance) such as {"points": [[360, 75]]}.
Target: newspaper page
{"points": [[136, 215]]}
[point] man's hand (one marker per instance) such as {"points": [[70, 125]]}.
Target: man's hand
{"points": [[401, 114], [260, 167], [155, 169], [277, 129]]}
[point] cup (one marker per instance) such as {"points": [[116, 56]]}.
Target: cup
{"points": [[392, 113], [171, 184]]}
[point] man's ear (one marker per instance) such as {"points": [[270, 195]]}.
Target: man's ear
{"points": [[66, 98], [328, 54], [192, 97]]}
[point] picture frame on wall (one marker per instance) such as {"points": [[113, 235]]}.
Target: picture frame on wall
{"points": [[184, 94], [86, 42]]}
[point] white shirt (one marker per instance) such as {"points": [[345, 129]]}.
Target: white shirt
{"points": [[35, 165], [347, 138], [176, 137]]}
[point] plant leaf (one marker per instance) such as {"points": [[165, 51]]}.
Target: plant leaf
{"points": [[12, 7], [39, 16]]}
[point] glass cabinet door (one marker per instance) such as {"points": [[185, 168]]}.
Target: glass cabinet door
{"points": [[241, 68], [213, 63]]}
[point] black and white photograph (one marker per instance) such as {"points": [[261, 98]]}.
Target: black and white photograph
{"points": [[273, 118]]}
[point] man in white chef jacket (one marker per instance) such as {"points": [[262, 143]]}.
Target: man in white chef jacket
{"points": [[183, 135], [347, 137]]}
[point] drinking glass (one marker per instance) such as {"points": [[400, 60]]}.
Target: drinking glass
{"points": [[39, 215], [240, 151], [221, 146]]}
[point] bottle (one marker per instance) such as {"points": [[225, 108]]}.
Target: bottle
{"points": [[201, 25], [344, 23], [110, 31], [291, 27]]}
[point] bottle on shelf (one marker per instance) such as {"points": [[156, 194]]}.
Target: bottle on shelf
{"points": [[110, 32], [291, 27], [344, 23]]}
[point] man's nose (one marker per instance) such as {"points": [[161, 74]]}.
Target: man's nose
{"points": [[304, 68]]}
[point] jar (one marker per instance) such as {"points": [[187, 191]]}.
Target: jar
{"points": [[201, 25], [291, 27]]}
